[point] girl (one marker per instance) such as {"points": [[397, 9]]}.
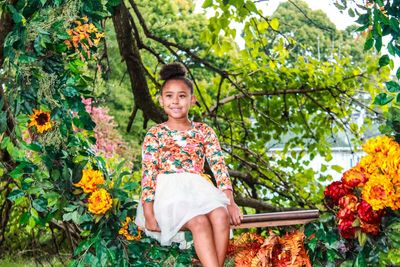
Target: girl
{"points": [[175, 194]]}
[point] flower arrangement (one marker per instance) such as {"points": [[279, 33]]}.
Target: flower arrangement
{"points": [[367, 191]]}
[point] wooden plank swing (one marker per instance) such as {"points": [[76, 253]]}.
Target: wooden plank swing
{"points": [[278, 218]]}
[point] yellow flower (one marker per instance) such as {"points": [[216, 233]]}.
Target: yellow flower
{"points": [[380, 144], [90, 179], [41, 120], [391, 166], [369, 164], [125, 230], [99, 201], [379, 192]]}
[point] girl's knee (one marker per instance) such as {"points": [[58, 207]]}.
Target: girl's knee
{"points": [[219, 216], [197, 223]]}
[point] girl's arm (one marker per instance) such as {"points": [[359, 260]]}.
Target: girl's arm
{"points": [[149, 174], [216, 161], [150, 219]]}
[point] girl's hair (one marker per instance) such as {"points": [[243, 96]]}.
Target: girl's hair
{"points": [[175, 71]]}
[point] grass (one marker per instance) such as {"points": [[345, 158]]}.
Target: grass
{"points": [[8, 261]]}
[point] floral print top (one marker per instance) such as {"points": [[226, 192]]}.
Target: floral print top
{"points": [[174, 151]]}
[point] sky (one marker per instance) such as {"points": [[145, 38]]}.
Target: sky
{"points": [[340, 20]]}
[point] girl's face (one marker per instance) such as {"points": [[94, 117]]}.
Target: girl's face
{"points": [[176, 99]]}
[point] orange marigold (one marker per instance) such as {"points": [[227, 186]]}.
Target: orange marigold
{"points": [[354, 177], [379, 192], [90, 180], [369, 165], [380, 144], [99, 201], [125, 230], [391, 166], [41, 120]]}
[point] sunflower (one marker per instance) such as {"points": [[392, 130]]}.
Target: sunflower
{"points": [[41, 120]]}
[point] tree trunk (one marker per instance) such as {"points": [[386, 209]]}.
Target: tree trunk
{"points": [[131, 54], [6, 25]]}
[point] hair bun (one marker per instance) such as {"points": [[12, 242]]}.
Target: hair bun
{"points": [[171, 70]]}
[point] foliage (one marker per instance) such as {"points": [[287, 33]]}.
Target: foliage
{"points": [[315, 34], [379, 19]]}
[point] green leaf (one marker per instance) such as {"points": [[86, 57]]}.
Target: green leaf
{"points": [[40, 204], [382, 99], [378, 43], [207, 3], [384, 60], [274, 24], [15, 194], [398, 73], [351, 13], [337, 168], [3, 122], [392, 86], [398, 98], [394, 24], [35, 146], [369, 43]]}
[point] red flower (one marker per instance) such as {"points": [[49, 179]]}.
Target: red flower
{"points": [[367, 214], [349, 201], [346, 229], [346, 214], [353, 177], [335, 191]]}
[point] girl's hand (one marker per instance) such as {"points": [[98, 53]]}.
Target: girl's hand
{"points": [[235, 215]]}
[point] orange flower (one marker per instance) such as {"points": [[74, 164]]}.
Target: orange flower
{"points": [[41, 120], [369, 165], [349, 202], [99, 201], [354, 177], [125, 230], [380, 144], [369, 228], [379, 192], [90, 180]]}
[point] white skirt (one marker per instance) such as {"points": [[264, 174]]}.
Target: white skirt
{"points": [[179, 197]]}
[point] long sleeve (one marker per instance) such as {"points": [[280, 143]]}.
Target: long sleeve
{"points": [[149, 166], [216, 160]]}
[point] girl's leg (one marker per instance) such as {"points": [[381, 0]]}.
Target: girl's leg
{"points": [[219, 219], [203, 239]]}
